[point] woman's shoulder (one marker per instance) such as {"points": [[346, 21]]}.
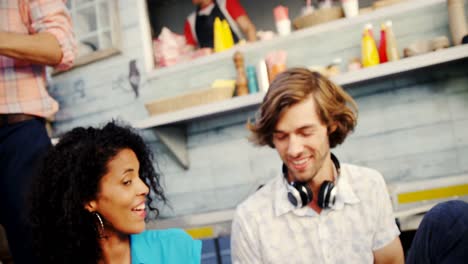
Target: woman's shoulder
{"points": [[164, 235], [173, 245]]}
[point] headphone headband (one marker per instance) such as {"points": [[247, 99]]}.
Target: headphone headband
{"points": [[300, 194], [336, 162]]}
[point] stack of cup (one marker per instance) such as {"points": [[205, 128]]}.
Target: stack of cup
{"points": [[457, 20], [350, 7], [283, 24]]}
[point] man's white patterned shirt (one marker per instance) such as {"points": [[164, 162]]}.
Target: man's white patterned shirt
{"points": [[268, 229]]}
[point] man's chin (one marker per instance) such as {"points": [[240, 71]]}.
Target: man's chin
{"points": [[301, 176], [305, 175]]}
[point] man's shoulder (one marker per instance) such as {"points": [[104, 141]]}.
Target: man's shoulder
{"points": [[261, 200], [357, 172], [363, 179]]}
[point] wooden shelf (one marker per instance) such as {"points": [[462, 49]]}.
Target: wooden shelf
{"points": [[403, 65], [239, 103], [184, 115], [338, 24], [168, 129]]}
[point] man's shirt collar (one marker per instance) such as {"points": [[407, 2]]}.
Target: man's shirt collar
{"points": [[281, 205]]}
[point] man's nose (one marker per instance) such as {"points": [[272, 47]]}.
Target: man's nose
{"points": [[295, 146]]}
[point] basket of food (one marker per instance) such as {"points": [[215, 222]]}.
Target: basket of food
{"points": [[318, 16], [187, 100]]}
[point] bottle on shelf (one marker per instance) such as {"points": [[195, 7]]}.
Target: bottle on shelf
{"points": [[222, 35], [307, 9], [369, 53], [457, 20], [392, 48], [262, 76], [383, 44], [218, 35], [228, 40], [241, 80], [252, 79]]}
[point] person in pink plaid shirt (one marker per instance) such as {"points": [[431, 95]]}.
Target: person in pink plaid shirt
{"points": [[33, 34]]}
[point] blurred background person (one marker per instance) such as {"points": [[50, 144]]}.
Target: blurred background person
{"points": [[198, 28], [33, 34], [442, 236], [91, 199]]}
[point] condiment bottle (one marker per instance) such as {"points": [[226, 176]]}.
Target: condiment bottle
{"points": [[241, 80], [369, 53], [383, 44], [392, 48]]}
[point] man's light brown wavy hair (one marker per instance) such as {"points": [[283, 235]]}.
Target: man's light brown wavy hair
{"points": [[334, 106]]}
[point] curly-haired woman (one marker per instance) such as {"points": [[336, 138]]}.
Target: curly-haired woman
{"points": [[91, 198]]}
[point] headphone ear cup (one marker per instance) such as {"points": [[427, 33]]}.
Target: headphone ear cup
{"points": [[325, 194], [293, 196], [308, 195], [299, 194]]}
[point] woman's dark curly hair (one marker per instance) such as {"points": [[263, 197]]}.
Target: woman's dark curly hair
{"points": [[63, 231]]}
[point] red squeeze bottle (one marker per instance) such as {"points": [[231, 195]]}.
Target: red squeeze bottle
{"points": [[383, 44]]}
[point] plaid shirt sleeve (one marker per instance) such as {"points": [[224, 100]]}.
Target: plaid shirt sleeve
{"points": [[53, 17]]}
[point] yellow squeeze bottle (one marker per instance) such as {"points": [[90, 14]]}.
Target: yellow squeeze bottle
{"points": [[227, 35], [218, 35], [222, 35], [369, 52]]}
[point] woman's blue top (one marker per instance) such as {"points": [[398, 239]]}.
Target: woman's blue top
{"points": [[165, 246]]}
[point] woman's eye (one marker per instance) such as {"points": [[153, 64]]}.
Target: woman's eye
{"points": [[127, 182]]}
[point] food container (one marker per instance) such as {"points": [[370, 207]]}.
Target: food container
{"points": [[187, 100], [319, 16]]}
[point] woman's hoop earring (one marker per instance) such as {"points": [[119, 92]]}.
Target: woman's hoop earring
{"points": [[100, 228]]}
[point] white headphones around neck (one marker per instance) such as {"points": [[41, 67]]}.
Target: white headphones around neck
{"points": [[300, 194]]}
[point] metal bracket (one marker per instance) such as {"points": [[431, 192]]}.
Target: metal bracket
{"points": [[175, 139]]}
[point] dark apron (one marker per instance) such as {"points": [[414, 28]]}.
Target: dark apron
{"points": [[204, 27]]}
